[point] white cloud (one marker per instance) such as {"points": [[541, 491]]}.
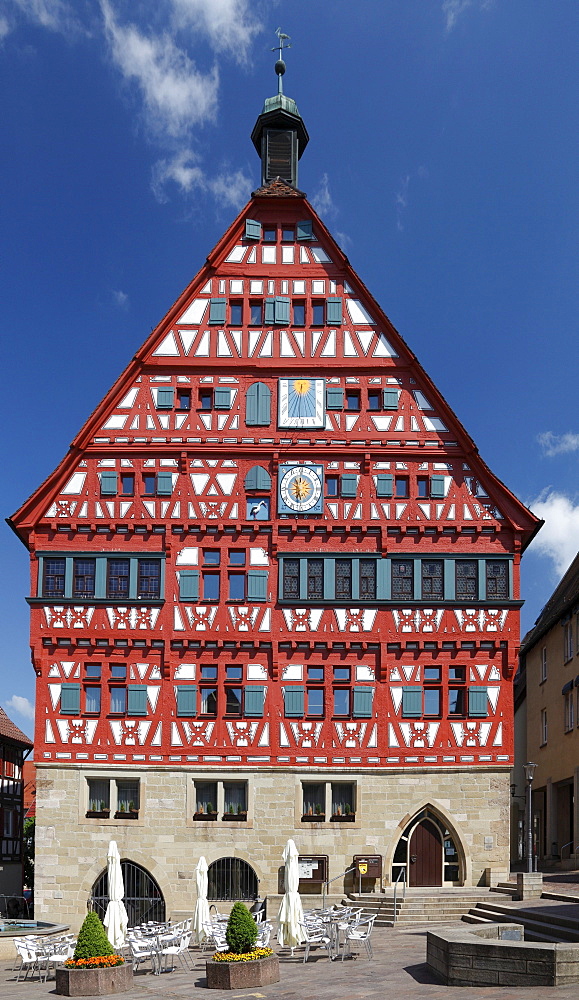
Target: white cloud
{"points": [[5, 27], [22, 706], [401, 197], [452, 9], [230, 189], [121, 298], [558, 539], [229, 24], [558, 444], [322, 200], [56, 15]]}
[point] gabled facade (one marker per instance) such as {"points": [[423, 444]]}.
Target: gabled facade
{"points": [[14, 748], [275, 589]]}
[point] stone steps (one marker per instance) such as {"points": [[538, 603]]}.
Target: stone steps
{"points": [[418, 908], [540, 924]]}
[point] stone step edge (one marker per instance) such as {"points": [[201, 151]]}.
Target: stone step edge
{"points": [[533, 926], [535, 914]]}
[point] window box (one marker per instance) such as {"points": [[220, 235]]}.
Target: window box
{"points": [[314, 818], [205, 815], [98, 813], [343, 818], [238, 816], [127, 814]]}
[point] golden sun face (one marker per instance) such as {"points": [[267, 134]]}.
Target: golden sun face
{"points": [[301, 488], [302, 386]]}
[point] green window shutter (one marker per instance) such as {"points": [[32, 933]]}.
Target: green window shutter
{"points": [[188, 585], [164, 484], [137, 699], [334, 398], [384, 486], [437, 486], [108, 484], [164, 399], [304, 230], [187, 700], [258, 479], [390, 399], [252, 229], [348, 486], [269, 312], [70, 699], [363, 702], [222, 399], [217, 309], [258, 405], [254, 699], [334, 311], [294, 702], [412, 702], [282, 311], [477, 702], [257, 585]]}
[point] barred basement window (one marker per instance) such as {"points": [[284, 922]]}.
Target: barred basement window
{"points": [[466, 571], [315, 579], [291, 578], [497, 579], [433, 578], [402, 578]]}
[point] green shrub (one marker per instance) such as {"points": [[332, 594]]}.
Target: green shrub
{"points": [[92, 939], [241, 930]]}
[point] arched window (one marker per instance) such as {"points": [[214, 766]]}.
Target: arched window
{"points": [[258, 479], [231, 879], [258, 405], [143, 898]]}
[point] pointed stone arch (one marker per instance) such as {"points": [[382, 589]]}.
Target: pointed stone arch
{"points": [[447, 820]]}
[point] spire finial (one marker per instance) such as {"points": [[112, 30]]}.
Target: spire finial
{"points": [[280, 64]]}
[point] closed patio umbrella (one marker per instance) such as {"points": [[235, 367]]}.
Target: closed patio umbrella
{"points": [[291, 914], [201, 916], [116, 920]]}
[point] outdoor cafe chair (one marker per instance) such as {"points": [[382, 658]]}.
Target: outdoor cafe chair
{"points": [[32, 958], [176, 947], [315, 937], [263, 934], [359, 933], [143, 950], [214, 938]]}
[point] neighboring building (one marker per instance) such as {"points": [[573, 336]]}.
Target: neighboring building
{"points": [[275, 592], [29, 777], [549, 660], [14, 747]]}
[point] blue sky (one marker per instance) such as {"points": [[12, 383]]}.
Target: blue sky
{"points": [[443, 156]]}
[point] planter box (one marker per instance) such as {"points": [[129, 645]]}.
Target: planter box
{"points": [[94, 982], [242, 975], [319, 818], [98, 814], [346, 818], [235, 817], [207, 816], [131, 814]]}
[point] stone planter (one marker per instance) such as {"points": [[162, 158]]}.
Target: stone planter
{"points": [[242, 975], [94, 982]]}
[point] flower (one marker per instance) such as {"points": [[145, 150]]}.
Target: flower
{"points": [[98, 962], [248, 956]]}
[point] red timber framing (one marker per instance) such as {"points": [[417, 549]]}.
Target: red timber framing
{"points": [[273, 543]]}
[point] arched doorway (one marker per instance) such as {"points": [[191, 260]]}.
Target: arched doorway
{"points": [[231, 879], [427, 853], [143, 898]]}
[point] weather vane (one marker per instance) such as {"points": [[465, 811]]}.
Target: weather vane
{"points": [[280, 65]]}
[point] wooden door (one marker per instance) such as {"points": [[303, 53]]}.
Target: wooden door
{"points": [[425, 855]]}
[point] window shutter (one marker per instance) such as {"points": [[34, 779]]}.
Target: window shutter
{"points": [[257, 479], [217, 309], [164, 399], [258, 405], [304, 230], [363, 702], [390, 399], [334, 312], [222, 399], [70, 699], [282, 311], [334, 399], [252, 229], [384, 486], [254, 699], [348, 486], [257, 585], [108, 484], [294, 702], [412, 702], [437, 486], [477, 702], [164, 484], [137, 699], [269, 312], [188, 585], [187, 700]]}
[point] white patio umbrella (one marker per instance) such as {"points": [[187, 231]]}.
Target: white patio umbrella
{"points": [[201, 916], [291, 914], [116, 920]]}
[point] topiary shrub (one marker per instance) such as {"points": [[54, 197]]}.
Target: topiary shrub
{"points": [[241, 930], [92, 939]]}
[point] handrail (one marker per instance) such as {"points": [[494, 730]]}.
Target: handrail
{"points": [[401, 873], [330, 880], [568, 844]]}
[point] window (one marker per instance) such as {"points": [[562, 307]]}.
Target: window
{"points": [[217, 308], [401, 486], [315, 702], [255, 313], [569, 711], [237, 557], [258, 405], [332, 483], [374, 399], [299, 313], [456, 701], [233, 673], [149, 484], [119, 671], [99, 795], [93, 671], [315, 579], [334, 398], [277, 311], [433, 579], [543, 664], [269, 234], [343, 799], [543, 726], [54, 577], [402, 578], [341, 701], [316, 674], [432, 701], [92, 699], [209, 701], [118, 578], [127, 484], [83, 578], [314, 801], [432, 675], [211, 583], [342, 674], [348, 485], [343, 579], [118, 700], [235, 800], [288, 235], [211, 557], [497, 581], [318, 313], [236, 313], [368, 579], [108, 483], [149, 579], [127, 799], [70, 699], [165, 397], [352, 400], [567, 641], [205, 798], [206, 399], [233, 701], [183, 399], [457, 675], [466, 580], [291, 579], [237, 588], [252, 229]]}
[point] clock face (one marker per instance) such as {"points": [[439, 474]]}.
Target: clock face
{"points": [[301, 402], [300, 489]]}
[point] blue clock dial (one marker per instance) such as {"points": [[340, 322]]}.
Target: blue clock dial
{"points": [[300, 489]]}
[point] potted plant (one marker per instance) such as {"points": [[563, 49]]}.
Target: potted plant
{"points": [[243, 965], [347, 816], [121, 812], [208, 814], [97, 810], [133, 812], [232, 814], [95, 969]]}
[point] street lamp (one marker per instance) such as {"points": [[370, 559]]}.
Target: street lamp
{"points": [[529, 772]]}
